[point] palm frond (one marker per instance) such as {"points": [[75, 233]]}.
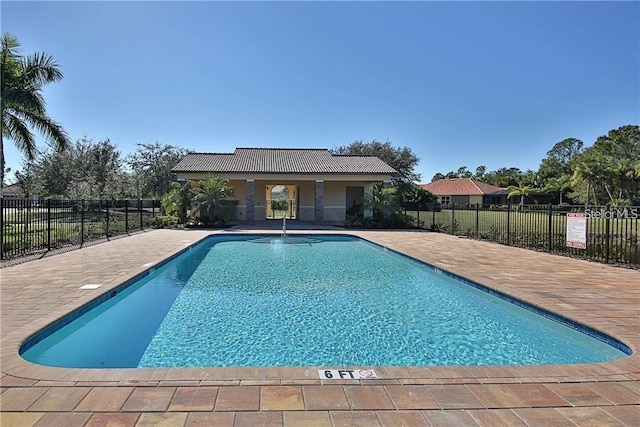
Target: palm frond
{"points": [[40, 69], [19, 99], [10, 46], [47, 127], [22, 104], [14, 128]]}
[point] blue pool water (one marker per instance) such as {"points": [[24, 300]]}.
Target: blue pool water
{"points": [[312, 301]]}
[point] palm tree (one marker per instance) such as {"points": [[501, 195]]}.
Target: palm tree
{"points": [[180, 197], [22, 105], [212, 198], [626, 178], [521, 190], [558, 185], [592, 168], [381, 201]]}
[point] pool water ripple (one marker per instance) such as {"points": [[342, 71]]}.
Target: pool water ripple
{"points": [[347, 302]]}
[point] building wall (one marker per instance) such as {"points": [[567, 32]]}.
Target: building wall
{"points": [[306, 200], [240, 194], [335, 204], [460, 199], [475, 199], [334, 201]]}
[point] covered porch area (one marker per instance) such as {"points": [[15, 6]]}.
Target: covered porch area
{"points": [[307, 185]]}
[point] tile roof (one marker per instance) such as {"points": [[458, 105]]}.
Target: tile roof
{"points": [[460, 187], [282, 160]]}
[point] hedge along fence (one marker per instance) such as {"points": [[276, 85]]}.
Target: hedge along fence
{"points": [[612, 233], [32, 228]]}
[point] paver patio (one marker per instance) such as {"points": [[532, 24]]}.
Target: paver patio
{"points": [[604, 297]]}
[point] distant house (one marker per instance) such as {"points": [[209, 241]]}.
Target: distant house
{"points": [[12, 197], [319, 186], [11, 191], [466, 191]]}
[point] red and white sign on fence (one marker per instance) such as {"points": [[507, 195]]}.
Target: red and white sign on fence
{"points": [[577, 230]]}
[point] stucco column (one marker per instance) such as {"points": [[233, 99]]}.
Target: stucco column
{"points": [[319, 202], [251, 201]]}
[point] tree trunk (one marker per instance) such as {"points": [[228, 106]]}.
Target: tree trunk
{"points": [[586, 203], [606, 187]]}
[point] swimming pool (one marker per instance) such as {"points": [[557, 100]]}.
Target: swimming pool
{"points": [[250, 300]]}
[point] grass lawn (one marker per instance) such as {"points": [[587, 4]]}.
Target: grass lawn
{"points": [[540, 230], [37, 229]]}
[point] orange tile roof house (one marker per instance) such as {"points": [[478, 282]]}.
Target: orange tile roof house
{"points": [[320, 186], [466, 191]]}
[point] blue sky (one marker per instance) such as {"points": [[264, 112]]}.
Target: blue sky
{"points": [[460, 83]]}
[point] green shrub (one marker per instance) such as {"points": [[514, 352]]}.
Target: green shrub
{"points": [[164, 221], [398, 220]]}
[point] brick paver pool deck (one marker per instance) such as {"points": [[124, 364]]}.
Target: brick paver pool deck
{"points": [[606, 298]]}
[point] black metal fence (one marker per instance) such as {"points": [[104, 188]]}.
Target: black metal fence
{"points": [[611, 235], [33, 228]]}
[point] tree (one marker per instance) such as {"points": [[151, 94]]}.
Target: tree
{"points": [[438, 176], [451, 175], [85, 170], [179, 199], [608, 169], [564, 152], [382, 201], [22, 105], [588, 174], [558, 185], [30, 185], [416, 198], [105, 159], [464, 172], [530, 178], [212, 199], [151, 164], [480, 173], [504, 177], [560, 159], [621, 150], [521, 190], [403, 160]]}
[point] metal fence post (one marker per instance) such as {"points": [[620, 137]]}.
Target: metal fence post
{"points": [[607, 237], [106, 230], [126, 216], [508, 223], [27, 220], [433, 217], [550, 228], [453, 218], [81, 222], [48, 224], [1, 228], [477, 220]]}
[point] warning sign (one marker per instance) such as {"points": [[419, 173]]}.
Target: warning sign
{"points": [[577, 230]]}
